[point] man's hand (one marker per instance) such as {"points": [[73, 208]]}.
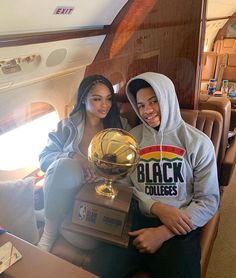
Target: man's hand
{"points": [[149, 240], [175, 219]]}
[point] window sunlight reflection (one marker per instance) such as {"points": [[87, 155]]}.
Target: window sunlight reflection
{"points": [[21, 147]]}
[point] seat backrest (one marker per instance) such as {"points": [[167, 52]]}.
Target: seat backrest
{"points": [[217, 46], [233, 114], [225, 46], [227, 153], [209, 122], [208, 68], [223, 106], [208, 65], [215, 124], [229, 67]]}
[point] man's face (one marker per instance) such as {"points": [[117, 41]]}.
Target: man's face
{"points": [[148, 106]]}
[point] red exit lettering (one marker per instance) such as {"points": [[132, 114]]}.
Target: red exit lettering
{"points": [[63, 10]]}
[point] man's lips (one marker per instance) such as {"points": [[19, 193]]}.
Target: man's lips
{"points": [[151, 117]]}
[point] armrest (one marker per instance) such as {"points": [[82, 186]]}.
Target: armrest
{"points": [[228, 163], [207, 238]]}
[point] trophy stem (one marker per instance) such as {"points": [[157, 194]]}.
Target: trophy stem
{"points": [[106, 189]]}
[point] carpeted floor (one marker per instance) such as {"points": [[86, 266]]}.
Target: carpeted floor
{"points": [[223, 259]]}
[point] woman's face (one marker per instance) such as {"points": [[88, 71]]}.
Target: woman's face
{"points": [[98, 101]]}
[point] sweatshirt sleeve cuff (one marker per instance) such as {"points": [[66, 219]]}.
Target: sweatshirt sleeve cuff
{"points": [[145, 203], [145, 207]]}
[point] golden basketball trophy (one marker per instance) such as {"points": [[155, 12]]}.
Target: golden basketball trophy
{"points": [[101, 209], [113, 153]]}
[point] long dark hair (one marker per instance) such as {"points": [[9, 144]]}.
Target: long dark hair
{"points": [[112, 119]]}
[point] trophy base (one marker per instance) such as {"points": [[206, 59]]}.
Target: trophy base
{"points": [[107, 191], [106, 219], [121, 241]]}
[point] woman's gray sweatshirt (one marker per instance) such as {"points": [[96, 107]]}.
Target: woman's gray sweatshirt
{"points": [[66, 139]]}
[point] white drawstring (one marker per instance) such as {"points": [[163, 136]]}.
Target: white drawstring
{"points": [[162, 137]]}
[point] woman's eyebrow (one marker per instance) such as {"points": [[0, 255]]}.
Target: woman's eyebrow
{"points": [[97, 95]]}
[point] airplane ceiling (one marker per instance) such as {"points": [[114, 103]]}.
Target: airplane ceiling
{"points": [[27, 16], [220, 8], [217, 9]]}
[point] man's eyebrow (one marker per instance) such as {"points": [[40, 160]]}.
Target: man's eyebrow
{"points": [[151, 98]]}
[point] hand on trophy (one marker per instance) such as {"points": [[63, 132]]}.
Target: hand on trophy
{"points": [[89, 174]]}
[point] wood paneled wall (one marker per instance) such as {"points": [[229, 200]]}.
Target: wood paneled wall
{"points": [[162, 36]]}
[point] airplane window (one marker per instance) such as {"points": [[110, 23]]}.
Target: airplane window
{"points": [[25, 136]]}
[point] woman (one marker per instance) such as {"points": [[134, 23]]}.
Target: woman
{"points": [[64, 159]]}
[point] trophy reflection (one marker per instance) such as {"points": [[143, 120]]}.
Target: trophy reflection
{"points": [[114, 154]]}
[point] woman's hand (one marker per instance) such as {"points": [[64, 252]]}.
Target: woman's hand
{"points": [[89, 174], [178, 221], [149, 240]]}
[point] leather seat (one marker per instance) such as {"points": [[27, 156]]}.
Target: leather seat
{"points": [[208, 68], [233, 114], [227, 156], [225, 46], [219, 63], [211, 123], [227, 64]]}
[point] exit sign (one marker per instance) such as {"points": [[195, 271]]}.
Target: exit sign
{"points": [[63, 10]]}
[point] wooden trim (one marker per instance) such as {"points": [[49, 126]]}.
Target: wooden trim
{"points": [[220, 18], [200, 51], [43, 37], [222, 38]]}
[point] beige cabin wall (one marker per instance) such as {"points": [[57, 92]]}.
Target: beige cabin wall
{"points": [[58, 90]]}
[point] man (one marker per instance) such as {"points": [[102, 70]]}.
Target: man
{"points": [[176, 182], [175, 188]]}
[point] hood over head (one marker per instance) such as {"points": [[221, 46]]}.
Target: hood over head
{"points": [[166, 95]]}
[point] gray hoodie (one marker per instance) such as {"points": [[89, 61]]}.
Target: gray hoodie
{"points": [[65, 139], [177, 163]]}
